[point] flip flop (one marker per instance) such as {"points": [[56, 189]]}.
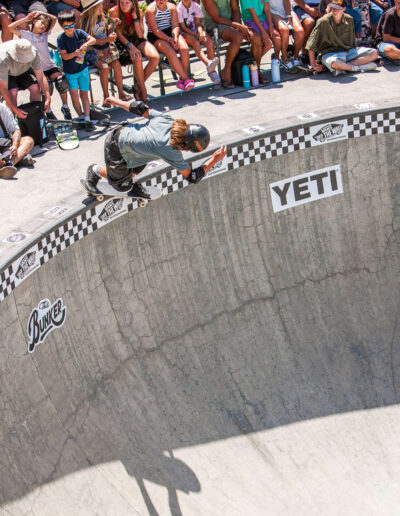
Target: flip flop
{"points": [[226, 84]]}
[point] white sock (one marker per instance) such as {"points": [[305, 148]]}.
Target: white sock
{"points": [[87, 118], [355, 68]]}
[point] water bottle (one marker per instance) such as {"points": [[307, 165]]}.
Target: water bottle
{"points": [[255, 80], [246, 76], [57, 58], [275, 71]]}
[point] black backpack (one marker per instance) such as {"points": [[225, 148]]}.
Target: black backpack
{"points": [[243, 58], [34, 124]]}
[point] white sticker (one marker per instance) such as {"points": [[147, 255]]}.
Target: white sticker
{"points": [[28, 263], [327, 133], [153, 164], [365, 106], [253, 129], [307, 116], [219, 168], [57, 211], [45, 318], [305, 188], [16, 238], [111, 209]]}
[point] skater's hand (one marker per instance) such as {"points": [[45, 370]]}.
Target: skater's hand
{"points": [[112, 37], [273, 33], [317, 67], [83, 48], [73, 3], [46, 105], [111, 101], [20, 113], [13, 150], [315, 12], [220, 153], [202, 37], [32, 15]]}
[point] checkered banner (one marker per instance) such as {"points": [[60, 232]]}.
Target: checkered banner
{"points": [[257, 148]]}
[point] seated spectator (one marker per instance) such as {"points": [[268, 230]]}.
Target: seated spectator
{"points": [[225, 16], [256, 14], [308, 13], [388, 34], [21, 69], [132, 44], [72, 45], [54, 7], [105, 53], [190, 18], [333, 39], [5, 20], [15, 147], [164, 33], [284, 20], [41, 25]]}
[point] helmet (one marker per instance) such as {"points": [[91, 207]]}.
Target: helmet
{"points": [[197, 137]]}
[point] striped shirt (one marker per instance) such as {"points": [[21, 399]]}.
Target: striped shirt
{"points": [[163, 19]]}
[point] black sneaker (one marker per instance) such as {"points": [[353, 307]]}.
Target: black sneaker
{"points": [[50, 115], [66, 112], [140, 191], [91, 179], [89, 126]]}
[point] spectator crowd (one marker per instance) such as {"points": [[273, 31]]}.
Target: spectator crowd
{"points": [[110, 35]]}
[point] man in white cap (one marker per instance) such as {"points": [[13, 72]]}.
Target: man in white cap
{"points": [[21, 69], [333, 39]]}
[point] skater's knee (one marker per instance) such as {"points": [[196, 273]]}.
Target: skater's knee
{"points": [[28, 143]]}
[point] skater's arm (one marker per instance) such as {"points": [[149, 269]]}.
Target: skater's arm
{"points": [[186, 30], [194, 175], [127, 105], [313, 62]]}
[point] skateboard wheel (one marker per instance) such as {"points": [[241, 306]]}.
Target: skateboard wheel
{"points": [[100, 198], [142, 204]]}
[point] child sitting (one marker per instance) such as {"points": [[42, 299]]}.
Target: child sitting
{"points": [[105, 53], [190, 22], [72, 44], [40, 26]]}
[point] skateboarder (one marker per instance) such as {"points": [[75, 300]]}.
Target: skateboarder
{"points": [[127, 150]]}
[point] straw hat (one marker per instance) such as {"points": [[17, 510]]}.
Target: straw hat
{"points": [[88, 4]]}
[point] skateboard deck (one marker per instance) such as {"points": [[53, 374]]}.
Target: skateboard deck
{"points": [[66, 136], [104, 189]]}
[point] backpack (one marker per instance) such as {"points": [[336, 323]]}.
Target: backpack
{"points": [[34, 124]]}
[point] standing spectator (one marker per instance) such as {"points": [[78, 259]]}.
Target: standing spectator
{"points": [[21, 69], [105, 53], [256, 14], [41, 25], [132, 44], [5, 20], [15, 147], [334, 40], [308, 13], [225, 16], [388, 34], [164, 33], [190, 18], [284, 20], [73, 44]]}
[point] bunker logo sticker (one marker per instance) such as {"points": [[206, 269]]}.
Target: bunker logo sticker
{"points": [[305, 188], [328, 133], [45, 318]]}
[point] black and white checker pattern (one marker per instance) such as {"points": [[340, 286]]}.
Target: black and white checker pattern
{"points": [[258, 148], [376, 123]]}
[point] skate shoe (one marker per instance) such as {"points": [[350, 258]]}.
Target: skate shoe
{"points": [[8, 170], [91, 179], [140, 191], [66, 112]]}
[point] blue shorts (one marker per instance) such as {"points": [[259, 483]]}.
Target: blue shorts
{"points": [[383, 44], [79, 81], [301, 14], [345, 57]]}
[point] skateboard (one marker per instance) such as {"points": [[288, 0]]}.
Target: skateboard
{"points": [[104, 189], [66, 136]]}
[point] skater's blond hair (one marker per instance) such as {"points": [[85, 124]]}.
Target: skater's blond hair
{"points": [[178, 134]]}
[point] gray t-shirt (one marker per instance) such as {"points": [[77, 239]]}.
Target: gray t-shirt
{"points": [[8, 120], [41, 43], [141, 143], [10, 67]]}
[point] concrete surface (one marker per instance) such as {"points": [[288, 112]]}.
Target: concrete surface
{"points": [[217, 358], [54, 181]]}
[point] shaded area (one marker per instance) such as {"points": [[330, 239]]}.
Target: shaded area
{"points": [[206, 317]]}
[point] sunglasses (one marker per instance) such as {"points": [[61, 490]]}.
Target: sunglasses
{"points": [[66, 27]]}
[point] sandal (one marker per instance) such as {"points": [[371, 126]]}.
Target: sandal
{"points": [[228, 85], [125, 98], [180, 84]]}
